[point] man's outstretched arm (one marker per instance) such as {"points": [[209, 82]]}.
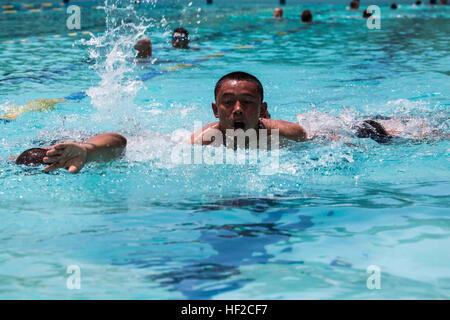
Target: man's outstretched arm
{"points": [[74, 155]]}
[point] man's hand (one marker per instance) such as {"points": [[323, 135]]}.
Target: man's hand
{"points": [[74, 155], [71, 156]]}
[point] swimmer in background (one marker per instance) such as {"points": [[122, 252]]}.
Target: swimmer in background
{"points": [[239, 104], [393, 6], [74, 155], [144, 48], [306, 16], [180, 39], [354, 5], [278, 13]]}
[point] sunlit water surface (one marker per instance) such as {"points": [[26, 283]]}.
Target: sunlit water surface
{"points": [[144, 227]]}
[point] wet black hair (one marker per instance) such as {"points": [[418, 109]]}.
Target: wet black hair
{"points": [[32, 157], [373, 130], [306, 16], [418, 3], [181, 30], [239, 76], [394, 6]]}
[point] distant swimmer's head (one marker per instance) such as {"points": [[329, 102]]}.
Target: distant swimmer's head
{"points": [[373, 130], [32, 157], [433, 2], [367, 14], [354, 5], [307, 16], [144, 48], [239, 101], [180, 38], [418, 3], [393, 6], [278, 13]]}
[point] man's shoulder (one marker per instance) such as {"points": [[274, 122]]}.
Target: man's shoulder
{"points": [[201, 136], [290, 130], [276, 123]]}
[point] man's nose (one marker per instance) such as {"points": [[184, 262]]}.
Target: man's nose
{"points": [[237, 111]]}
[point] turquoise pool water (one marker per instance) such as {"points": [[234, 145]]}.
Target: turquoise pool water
{"points": [[143, 227]]}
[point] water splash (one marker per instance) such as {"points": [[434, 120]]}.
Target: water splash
{"points": [[408, 119], [113, 53]]}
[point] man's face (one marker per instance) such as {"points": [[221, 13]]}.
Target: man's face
{"points": [[180, 40], [278, 13], [238, 105]]}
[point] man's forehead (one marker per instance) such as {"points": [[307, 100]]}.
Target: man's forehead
{"points": [[241, 85], [178, 34]]}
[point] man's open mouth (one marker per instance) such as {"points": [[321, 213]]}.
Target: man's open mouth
{"points": [[238, 124]]}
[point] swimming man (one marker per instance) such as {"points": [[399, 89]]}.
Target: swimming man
{"points": [[239, 104], [278, 13]]}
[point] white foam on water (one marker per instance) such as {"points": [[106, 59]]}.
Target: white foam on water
{"points": [[6, 107], [409, 119], [148, 145], [417, 119], [317, 123]]}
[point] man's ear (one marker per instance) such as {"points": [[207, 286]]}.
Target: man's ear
{"points": [[263, 113], [215, 110]]}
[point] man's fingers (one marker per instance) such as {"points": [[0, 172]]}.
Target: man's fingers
{"points": [[54, 152], [75, 165], [60, 146], [74, 169], [51, 159], [61, 155], [52, 167]]}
